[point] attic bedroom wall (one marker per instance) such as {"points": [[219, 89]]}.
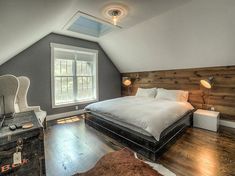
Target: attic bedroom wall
{"points": [[35, 63]]}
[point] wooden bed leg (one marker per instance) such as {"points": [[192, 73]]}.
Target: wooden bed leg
{"points": [[191, 120], [85, 117]]}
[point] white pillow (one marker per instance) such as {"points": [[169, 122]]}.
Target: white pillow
{"points": [[146, 92], [173, 95]]}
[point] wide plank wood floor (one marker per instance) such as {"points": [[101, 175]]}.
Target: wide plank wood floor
{"points": [[75, 147]]}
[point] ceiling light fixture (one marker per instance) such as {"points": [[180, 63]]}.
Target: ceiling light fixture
{"points": [[114, 13]]}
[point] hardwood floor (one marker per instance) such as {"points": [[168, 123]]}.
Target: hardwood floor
{"points": [[199, 152], [75, 147]]}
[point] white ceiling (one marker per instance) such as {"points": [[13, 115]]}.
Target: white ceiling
{"points": [[156, 34]]}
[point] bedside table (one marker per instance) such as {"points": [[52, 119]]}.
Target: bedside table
{"points": [[206, 119]]}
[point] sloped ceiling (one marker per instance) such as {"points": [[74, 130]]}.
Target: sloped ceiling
{"points": [[200, 33], [156, 34], [23, 22]]}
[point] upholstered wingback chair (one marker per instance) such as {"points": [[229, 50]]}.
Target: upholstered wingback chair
{"points": [[21, 100], [15, 90]]}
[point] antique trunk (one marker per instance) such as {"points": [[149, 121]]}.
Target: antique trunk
{"points": [[28, 143]]}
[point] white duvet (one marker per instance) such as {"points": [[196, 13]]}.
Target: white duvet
{"points": [[149, 114]]}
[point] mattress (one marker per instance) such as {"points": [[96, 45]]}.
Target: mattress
{"points": [[147, 116]]}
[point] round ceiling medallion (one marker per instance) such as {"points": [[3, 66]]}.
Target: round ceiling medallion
{"points": [[114, 10]]}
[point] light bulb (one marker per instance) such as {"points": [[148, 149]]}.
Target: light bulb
{"points": [[114, 18], [127, 82], [206, 84]]}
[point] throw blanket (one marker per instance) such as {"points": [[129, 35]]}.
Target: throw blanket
{"points": [[120, 163]]}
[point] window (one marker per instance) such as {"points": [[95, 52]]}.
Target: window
{"points": [[74, 75]]}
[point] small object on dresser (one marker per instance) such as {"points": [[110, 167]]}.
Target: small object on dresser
{"points": [[205, 119], [12, 127], [27, 125]]}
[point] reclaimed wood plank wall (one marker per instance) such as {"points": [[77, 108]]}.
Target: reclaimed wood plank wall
{"points": [[221, 96]]}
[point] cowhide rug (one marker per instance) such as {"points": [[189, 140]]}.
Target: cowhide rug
{"points": [[125, 163]]}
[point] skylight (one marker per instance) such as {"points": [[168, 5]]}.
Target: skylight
{"points": [[87, 25]]}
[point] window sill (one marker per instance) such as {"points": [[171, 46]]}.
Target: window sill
{"points": [[74, 104]]}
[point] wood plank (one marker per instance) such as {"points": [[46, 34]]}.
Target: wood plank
{"points": [[221, 96]]}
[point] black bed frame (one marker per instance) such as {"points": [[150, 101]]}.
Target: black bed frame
{"points": [[147, 146]]}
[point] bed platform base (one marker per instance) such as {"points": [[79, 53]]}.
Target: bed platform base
{"points": [[147, 146]]}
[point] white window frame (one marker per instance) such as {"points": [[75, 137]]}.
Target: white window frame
{"points": [[69, 47]]}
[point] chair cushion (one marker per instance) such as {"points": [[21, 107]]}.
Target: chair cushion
{"points": [[17, 108], [41, 115]]}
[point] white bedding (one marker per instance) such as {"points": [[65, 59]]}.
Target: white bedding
{"points": [[150, 114]]}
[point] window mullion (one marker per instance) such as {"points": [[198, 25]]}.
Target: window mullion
{"points": [[93, 80], [75, 80]]}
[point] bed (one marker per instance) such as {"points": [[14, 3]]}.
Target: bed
{"points": [[145, 124]]}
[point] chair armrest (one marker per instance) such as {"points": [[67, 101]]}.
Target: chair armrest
{"points": [[32, 108]]}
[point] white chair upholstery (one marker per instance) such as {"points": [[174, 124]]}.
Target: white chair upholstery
{"points": [[9, 85], [22, 103], [15, 90]]}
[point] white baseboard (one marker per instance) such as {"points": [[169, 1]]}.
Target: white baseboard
{"points": [[227, 123], [65, 114]]}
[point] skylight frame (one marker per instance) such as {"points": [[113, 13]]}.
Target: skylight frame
{"points": [[79, 14]]}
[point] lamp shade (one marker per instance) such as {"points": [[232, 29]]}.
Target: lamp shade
{"points": [[126, 81], [207, 83]]}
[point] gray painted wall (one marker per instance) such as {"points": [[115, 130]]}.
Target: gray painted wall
{"points": [[35, 63]]}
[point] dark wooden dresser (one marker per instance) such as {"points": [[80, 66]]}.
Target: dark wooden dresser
{"points": [[30, 140]]}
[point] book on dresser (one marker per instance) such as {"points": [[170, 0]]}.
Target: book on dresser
{"points": [[22, 149]]}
